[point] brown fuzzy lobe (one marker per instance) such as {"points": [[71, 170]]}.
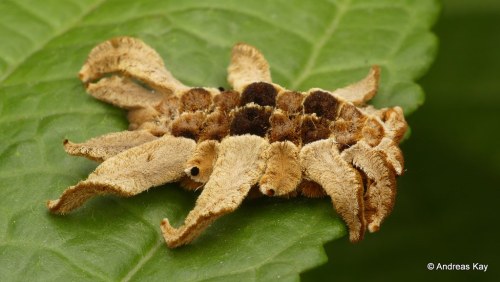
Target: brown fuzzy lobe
{"points": [[373, 132], [313, 129], [393, 153], [347, 129], [283, 172], [395, 121], [322, 163], [240, 164], [148, 119], [196, 99], [169, 107], [106, 146], [322, 104], [188, 125], [124, 93], [227, 100], [362, 91], [251, 120], [131, 172], [311, 189], [137, 117], [366, 181], [381, 188], [157, 128], [290, 101], [345, 133], [350, 112], [132, 58], [370, 209], [284, 128], [215, 126], [247, 65], [260, 93]]}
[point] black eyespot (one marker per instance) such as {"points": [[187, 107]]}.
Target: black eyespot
{"points": [[221, 89], [195, 171]]}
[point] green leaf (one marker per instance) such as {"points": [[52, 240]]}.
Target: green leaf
{"points": [[323, 44]]}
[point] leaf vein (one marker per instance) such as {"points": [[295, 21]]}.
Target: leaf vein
{"points": [[17, 32], [41, 45], [134, 214], [249, 14], [314, 54], [143, 260], [23, 244], [254, 268], [31, 13]]}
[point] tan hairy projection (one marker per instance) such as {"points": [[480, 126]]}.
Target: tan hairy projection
{"points": [[258, 137]]}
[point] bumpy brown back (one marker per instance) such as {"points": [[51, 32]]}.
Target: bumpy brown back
{"points": [[263, 111]]}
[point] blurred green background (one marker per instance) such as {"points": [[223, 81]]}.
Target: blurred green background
{"points": [[447, 205]]}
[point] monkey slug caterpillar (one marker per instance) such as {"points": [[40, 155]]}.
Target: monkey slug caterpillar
{"points": [[258, 137]]}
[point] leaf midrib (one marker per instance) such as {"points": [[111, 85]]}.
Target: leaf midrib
{"points": [[316, 48]]}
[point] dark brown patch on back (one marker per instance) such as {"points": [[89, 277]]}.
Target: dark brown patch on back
{"points": [[284, 128], [260, 93], [188, 125], [227, 100], [321, 103], [313, 129], [215, 126], [196, 99], [290, 101], [251, 120]]}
